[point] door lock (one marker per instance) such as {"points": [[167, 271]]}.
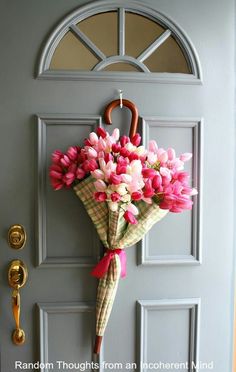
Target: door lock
{"points": [[16, 236], [17, 277]]}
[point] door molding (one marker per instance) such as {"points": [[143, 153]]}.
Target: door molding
{"points": [[43, 259], [146, 306], [195, 258]]}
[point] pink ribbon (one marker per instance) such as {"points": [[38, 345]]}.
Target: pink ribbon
{"points": [[103, 265]]}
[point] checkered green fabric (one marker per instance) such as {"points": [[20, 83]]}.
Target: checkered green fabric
{"points": [[114, 232]]}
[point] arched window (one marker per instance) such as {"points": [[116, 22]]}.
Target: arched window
{"points": [[119, 39]]}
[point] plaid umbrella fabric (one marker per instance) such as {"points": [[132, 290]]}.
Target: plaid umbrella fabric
{"points": [[115, 234]]}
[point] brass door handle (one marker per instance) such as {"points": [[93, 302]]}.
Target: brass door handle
{"points": [[17, 277]]}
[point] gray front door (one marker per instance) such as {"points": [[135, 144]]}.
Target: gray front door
{"points": [[175, 306]]}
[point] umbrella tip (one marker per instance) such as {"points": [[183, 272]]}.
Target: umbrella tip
{"points": [[97, 345]]}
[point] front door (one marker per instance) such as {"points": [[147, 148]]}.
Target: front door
{"points": [[174, 60]]}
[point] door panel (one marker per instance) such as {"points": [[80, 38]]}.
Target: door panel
{"points": [[184, 261]]}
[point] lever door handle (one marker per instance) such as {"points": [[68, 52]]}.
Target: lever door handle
{"points": [[17, 277]]}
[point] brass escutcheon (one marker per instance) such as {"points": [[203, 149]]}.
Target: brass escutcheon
{"points": [[17, 274], [16, 236]]}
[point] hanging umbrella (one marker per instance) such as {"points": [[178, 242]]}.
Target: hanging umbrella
{"points": [[125, 189], [115, 233]]}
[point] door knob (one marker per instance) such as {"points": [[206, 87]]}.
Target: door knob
{"points": [[17, 277], [16, 236]]}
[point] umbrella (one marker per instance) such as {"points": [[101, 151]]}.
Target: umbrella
{"points": [[115, 233]]}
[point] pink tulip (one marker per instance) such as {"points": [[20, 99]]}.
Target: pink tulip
{"points": [[57, 184], [147, 200], [100, 185], [56, 175], [156, 181], [148, 190], [124, 140], [121, 169], [101, 132], [69, 178], [136, 139], [108, 157], [101, 144], [65, 161], [149, 173], [177, 187], [116, 134], [80, 174], [98, 174], [137, 195], [126, 178], [100, 196], [93, 138], [91, 153], [116, 147], [148, 193], [82, 156], [133, 156], [182, 176], [132, 209], [122, 161], [124, 152], [72, 152], [152, 146], [186, 156], [171, 153], [175, 209], [87, 142], [115, 179], [101, 155], [165, 172], [162, 156], [151, 158], [129, 217], [56, 156], [115, 197], [89, 165], [164, 205]]}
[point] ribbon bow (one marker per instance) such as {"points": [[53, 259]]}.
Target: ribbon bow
{"points": [[103, 265]]}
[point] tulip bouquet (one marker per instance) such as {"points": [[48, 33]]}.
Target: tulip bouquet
{"points": [[125, 189]]}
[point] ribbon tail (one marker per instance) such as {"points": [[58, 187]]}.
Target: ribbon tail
{"points": [[122, 256], [102, 267]]}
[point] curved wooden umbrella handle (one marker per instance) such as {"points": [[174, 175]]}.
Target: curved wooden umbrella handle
{"points": [[131, 106]]}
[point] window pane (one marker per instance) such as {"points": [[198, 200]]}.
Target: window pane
{"points": [[168, 58], [102, 30], [140, 33], [71, 54]]}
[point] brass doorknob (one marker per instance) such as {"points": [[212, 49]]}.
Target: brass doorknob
{"points": [[16, 236], [17, 277]]}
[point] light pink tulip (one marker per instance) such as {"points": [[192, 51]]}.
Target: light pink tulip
{"points": [[116, 134], [98, 174], [100, 185], [186, 156], [133, 209], [91, 153], [93, 138], [152, 146], [126, 178], [171, 153]]}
